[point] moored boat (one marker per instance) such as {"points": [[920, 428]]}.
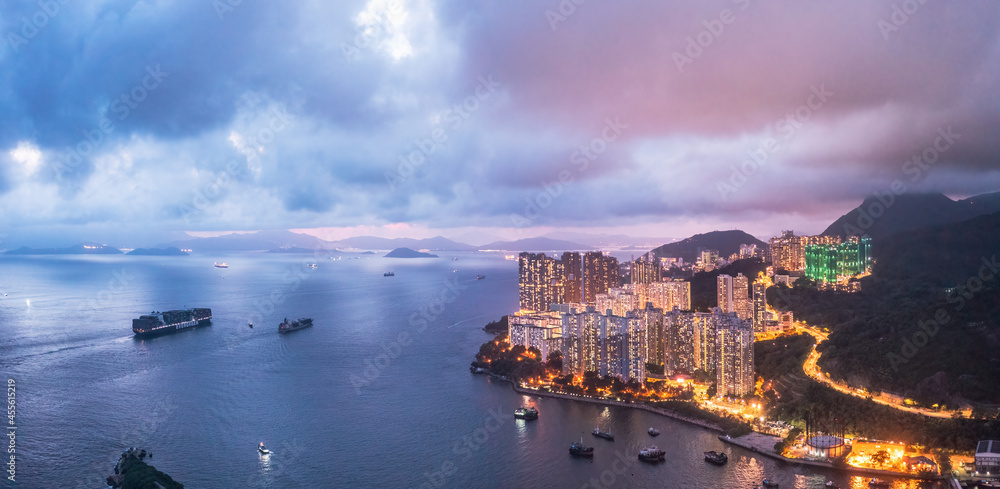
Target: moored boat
{"points": [[717, 458], [879, 483], [831, 485], [769, 483], [599, 433], [527, 414], [652, 454]]}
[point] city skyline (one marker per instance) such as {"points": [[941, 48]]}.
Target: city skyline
{"points": [[406, 118]]}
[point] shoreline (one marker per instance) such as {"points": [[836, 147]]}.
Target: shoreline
{"points": [[826, 465], [710, 426], [608, 402]]}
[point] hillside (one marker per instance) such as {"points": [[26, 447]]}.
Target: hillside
{"points": [[408, 253], [436, 243], [80, 249], [261, 240], [910, 211], [727, 242], [908, 331]]}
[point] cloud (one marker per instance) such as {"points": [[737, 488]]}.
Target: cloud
{"points": [[292, 115]]}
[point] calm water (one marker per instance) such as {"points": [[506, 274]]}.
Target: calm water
{"points": [[201, 400]]}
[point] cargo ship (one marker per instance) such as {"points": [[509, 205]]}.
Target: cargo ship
{"points": [[287, 327], [166, 322]]}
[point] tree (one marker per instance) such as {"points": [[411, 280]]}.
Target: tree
{"points": [[555, 362], [880, 457], [712, 390]]}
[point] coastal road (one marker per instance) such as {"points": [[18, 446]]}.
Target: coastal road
{"points": [[812, 369]]}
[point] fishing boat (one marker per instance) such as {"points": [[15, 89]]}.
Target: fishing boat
{"points": [[717, 458], [652, 454], [580, 450], [653, 432], [389, 274], [608, 436]]}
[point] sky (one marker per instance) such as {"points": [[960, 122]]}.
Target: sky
{"points": [[136, 120]]}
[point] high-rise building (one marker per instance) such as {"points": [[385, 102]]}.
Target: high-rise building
{"points": [[837, 263], [734, 373], [741, 297], [708, 259], [670, 294], [540, 282], [788, 250], [652, 318], [646, 272], [604, 343], [759, 305], [724, 292], [536, 330], [600, 273], [573, 276]]}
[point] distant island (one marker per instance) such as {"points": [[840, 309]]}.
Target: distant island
{"points": [[80, 249], [172, 251], [408, 253]]}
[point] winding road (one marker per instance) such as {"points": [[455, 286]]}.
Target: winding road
{"points": [[894, 401]]}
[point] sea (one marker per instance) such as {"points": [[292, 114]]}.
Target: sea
{"points": [[377, 394]]}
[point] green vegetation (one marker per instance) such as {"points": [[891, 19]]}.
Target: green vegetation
{"points": [[925, 325], [727, 242], [791, 396], [731, 425], [138, 475], [497, 327], [517, 362]]}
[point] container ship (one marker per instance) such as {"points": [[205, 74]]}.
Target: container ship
{"points": [[287, 327], [166, 322]]}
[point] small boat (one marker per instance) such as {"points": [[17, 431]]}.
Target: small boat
{"points": [[262, 449], [528, 414], [250, 323], [389, 274], [312, 265], [607, 436], [221, 265], [877, 483], [653, 432], [652, 454], [579, 450], [480, 277], [769, 483], [831, 485], [454, 258], [717, 458]]}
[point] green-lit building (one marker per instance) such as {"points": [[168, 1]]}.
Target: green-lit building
{"points": [[837, 263]]}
